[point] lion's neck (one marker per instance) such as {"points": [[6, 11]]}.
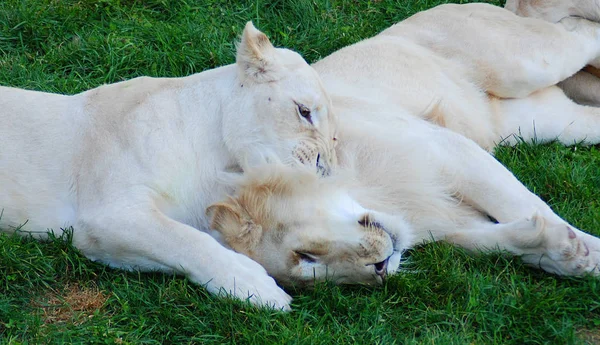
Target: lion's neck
{"points": [[202, 177]]}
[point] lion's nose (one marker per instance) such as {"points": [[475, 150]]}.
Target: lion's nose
{"points": [[381, 268]]}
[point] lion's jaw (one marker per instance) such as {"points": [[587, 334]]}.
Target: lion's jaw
{"points": [[281, 111], [303, 229]]}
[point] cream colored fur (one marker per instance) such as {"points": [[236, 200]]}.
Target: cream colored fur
{"points": [[492, 78], [304, 229], [132, 166], [133, 176], [583, 87], [555, 10], [413, 182], [415, 179]]}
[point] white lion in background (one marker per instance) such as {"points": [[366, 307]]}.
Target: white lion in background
{"points": [[132, 166], [583, 86], [476, 69], [491, 78]]}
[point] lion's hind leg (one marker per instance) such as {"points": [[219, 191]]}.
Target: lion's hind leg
{"points": [[545, 55], [544, 116], [583, 88], [555, 10], [505, 55]]}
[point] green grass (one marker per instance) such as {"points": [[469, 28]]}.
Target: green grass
{"points": [[49, 293]]}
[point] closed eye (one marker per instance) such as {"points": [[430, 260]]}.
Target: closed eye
{"points": [[310, 258]]}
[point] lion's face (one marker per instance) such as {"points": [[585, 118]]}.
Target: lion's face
{"points": [[304, 229], [281, 111]]}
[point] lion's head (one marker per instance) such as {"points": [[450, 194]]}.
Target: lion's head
{"points": [[303, 229], [279, 110]]}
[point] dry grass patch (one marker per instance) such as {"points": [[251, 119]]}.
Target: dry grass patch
{"points": [[73, 303], [590, 336]]}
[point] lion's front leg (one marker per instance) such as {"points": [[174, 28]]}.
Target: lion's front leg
{"points": [[139, 237], [478, 179], [551, 246], [481, 181]]}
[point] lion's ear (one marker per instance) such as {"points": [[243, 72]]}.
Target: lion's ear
{"points": [[235, 224], [256, 55]]}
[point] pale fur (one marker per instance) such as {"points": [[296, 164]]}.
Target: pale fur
{"points": [[150, 174], [491, 91], [305, 229], [394, 92], [555, 10], [418, 183], [582, 87], [492, 78], [132, 166]]}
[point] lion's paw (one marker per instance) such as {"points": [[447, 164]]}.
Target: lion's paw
{"points": [[567, 251], [245, 279]]}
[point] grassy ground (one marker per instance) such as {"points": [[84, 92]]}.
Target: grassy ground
{"points": [[49, 293]]}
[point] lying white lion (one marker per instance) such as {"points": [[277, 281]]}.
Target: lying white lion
{"points": [[413, 180], [132, 166], [584, 86], [490, 78]]}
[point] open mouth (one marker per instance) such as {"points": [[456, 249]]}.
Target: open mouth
{"points": [[381, 268]]}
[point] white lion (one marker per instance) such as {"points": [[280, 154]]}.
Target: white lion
{"points": [[132, 166], [413, 180], [584, 86], [133, 176], [492, 78]]}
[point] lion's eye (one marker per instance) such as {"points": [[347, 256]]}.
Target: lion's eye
{"points": [[305, 112], [307, 257]]}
